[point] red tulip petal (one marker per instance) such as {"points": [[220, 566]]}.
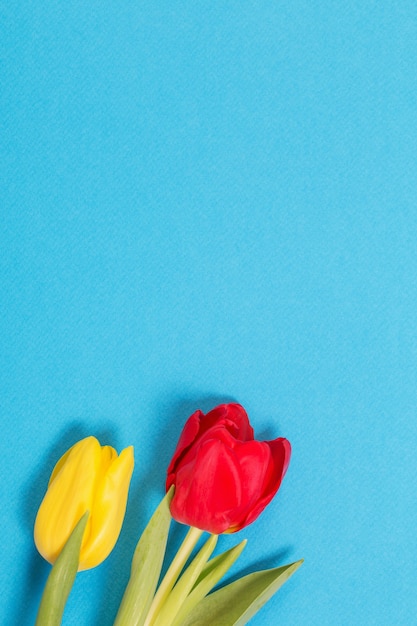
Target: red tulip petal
{"points": [[216, 433], [232, 417], [280, 457], [254, 461], [208, 490], [281, 453], [187, 437]]}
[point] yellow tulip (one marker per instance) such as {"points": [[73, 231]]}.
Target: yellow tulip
{"points": [[89, 477]]}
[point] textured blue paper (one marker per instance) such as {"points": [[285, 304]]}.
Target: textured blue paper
{"points": [[213, 201]]}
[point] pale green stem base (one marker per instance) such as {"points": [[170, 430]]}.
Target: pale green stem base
{"points": [[173, 573], [172, 605]]}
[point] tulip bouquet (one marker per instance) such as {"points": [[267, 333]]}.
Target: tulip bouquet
{"points": [[218, 481]]}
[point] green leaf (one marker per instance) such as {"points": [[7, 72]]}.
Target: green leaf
{"points": [[61, 578], [146, 567], [221, 563], [213, 571], [179, 593], [236, 603]]}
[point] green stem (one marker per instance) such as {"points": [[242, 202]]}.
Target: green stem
{"points": [[61, 579], [185, 584], [173, 573]]}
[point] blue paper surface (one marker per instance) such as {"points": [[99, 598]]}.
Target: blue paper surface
{"points": [[204, 202]]}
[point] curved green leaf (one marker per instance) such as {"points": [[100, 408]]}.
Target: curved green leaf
{"points": [[236, 603], [61, 578], [146, 567], [213, 571]]}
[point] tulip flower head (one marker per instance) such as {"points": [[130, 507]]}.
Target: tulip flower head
{"points": [[89, 477], [223, 477]]}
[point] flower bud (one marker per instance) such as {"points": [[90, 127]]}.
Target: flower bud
{"points": [[88, 477], [223, 477]]}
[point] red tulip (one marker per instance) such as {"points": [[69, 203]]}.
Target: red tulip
{"points": [[224, 478]]}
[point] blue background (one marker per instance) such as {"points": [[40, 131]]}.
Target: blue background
{"points": [[205, 202]]}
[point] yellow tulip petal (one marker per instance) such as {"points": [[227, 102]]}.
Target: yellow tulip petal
{"points": [[108, 455], [59, 465], [68, 497], [108, 510]]}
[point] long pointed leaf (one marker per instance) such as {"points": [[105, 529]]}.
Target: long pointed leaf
{"points": [[236, 603], [218, 562], [61, 578], [146, 567]]}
